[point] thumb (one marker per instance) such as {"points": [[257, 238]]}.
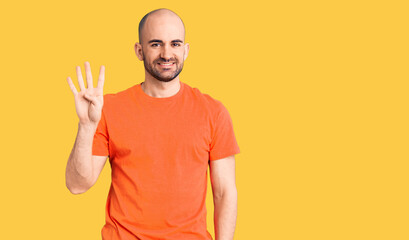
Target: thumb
{"points": [[90, 98]]}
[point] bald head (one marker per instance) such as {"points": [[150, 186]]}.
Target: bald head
{"points": [[159, 17]]}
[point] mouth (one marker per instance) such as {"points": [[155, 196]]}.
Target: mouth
{"points": [[166, 65]]}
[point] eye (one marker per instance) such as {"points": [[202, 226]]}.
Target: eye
{"points": [[155, 45], [176, 44]]}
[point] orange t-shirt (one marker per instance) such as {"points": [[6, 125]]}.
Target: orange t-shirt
{"points": [[159, 150]]}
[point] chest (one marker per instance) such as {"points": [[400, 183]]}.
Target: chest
{"points": [[175, 134]]}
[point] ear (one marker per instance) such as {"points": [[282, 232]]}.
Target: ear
{"points": [[187, 47], [138, 51]]}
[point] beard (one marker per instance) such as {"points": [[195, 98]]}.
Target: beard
{"points": [[161, 75]]}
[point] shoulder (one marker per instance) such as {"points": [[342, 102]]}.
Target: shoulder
{"points": [[119, 97], [212, 104]]}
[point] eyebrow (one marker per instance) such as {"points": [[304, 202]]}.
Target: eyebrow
{"points": [[160, 41]]}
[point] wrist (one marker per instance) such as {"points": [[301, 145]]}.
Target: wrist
{"points": [[87, 127]]}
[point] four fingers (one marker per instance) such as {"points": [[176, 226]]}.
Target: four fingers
{"points": [[101, 79]]}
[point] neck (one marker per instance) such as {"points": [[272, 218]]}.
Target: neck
{"points": [[159, 89]]}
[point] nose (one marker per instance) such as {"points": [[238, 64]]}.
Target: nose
{"points": [[166, 52]]}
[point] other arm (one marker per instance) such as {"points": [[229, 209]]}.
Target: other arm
{"points": [[223, 179]]}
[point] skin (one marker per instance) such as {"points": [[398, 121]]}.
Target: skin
{"points": [[167, 31], [83, 168]]}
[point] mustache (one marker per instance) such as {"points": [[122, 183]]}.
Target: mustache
{"points": [[162, 60]]}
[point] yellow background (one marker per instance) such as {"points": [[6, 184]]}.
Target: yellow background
{"points": [[317, 91]]}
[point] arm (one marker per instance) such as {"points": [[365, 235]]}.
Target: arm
{"points": [[83, 169], [223, 179]]}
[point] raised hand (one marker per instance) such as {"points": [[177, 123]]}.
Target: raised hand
{"points": [[89, 101]]}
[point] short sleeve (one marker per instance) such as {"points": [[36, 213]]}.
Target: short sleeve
{"points": [[223, 143], [101, 138]]}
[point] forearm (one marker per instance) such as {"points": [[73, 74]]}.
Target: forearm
{"points": [[79, 166], [225, 215]]}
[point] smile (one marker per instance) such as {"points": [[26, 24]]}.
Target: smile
{"points": [[166, 64]]}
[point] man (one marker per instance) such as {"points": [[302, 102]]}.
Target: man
{"points": [[160, 136]]}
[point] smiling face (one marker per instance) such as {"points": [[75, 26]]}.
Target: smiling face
{"points": [[162, 46]]}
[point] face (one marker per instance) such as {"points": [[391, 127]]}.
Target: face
{"points": [[163, 49], [163, 68]]}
